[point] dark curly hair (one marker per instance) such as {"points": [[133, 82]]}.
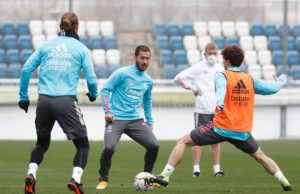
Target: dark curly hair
{"points": [[141, 48], [234, 54]]}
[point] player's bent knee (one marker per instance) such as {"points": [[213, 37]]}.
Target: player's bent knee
{"points": [[82, 144], [85, 148], [44, 141], [86, 145], [180, 141], [154, 146], [109, 150], [186, 140], [259, 155]]}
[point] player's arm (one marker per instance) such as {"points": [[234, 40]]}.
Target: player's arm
{"points": [[113, 81], [89, 73], [186, 79], [220, 83], [266, 88], [147, 101], [31, 64]]}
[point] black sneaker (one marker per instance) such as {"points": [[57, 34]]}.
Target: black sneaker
{"points": [[196, 174], [286, 185], [76, 187], [29, 184], [219, 174], [161, 180]]}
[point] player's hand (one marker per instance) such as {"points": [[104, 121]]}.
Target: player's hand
{"points": [[220, 108], [92, 99], [109, 118], [197, 94], [24, 105], [282, 78]]}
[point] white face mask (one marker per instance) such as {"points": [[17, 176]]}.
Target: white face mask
{"points": [[212, 59]]}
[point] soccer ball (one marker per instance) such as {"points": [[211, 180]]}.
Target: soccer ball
{"points": [[142, 181]]}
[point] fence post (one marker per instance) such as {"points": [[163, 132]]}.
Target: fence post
{"points": [[283, 118]]}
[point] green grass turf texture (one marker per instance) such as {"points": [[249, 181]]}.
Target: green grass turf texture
{"points": [[243, 174]]}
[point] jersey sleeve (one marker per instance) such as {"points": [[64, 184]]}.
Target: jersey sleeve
{"points": [[113, 81], [89, 73], [147, 101], [220, 83], [31, 64], [264, 88], [187, 77]]}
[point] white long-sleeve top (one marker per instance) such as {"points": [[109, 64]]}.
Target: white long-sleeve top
{"points": [[200, 78]]}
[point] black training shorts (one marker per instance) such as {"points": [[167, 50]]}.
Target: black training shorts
{"points": [[205, 135], [62, 109]]}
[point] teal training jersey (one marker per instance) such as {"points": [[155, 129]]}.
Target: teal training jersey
{"points": [[60, 61], [124, 92]]}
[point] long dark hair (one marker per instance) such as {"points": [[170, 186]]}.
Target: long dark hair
{"points": [[68, 24]]}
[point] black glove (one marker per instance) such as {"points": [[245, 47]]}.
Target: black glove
{"points": [[92, 99], [221, 108], [24, 105]]}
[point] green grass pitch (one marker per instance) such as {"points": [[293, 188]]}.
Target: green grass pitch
{"points": [[243, 174]]}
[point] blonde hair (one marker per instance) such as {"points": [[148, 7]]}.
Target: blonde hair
{"points": [[210, 45]]}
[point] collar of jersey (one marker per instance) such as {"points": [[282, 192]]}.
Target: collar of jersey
{"points": [[232, 68], [139, 72]]}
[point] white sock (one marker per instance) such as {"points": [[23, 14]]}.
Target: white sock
{"points": [[216, 168], [168, 169], [196, 168], [77, 173], [279, 176], [32, 169]]}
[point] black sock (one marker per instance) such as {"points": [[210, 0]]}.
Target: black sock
{"points": [[42, 145], [81, 156]]}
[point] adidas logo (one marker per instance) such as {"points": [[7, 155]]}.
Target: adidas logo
{"points": [[60, 51], [240, 88], [60, 48]]}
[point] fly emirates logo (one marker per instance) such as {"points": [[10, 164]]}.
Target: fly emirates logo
{"points": [[134, 94]]}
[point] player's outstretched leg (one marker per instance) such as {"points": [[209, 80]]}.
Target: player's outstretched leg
{"points": [[29, 184], [175, 158], [150, 157], [271, 167], [105, 164], [196, 155], [215, 153], [79, 163], [37, 156]]}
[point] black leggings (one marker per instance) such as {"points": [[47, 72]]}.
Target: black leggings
{"points": [[83, 147], [43, 143]]}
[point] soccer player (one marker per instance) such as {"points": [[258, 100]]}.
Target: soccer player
{"points": [[122, 95], [199, 79], [60, 61], [233, 117]]}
